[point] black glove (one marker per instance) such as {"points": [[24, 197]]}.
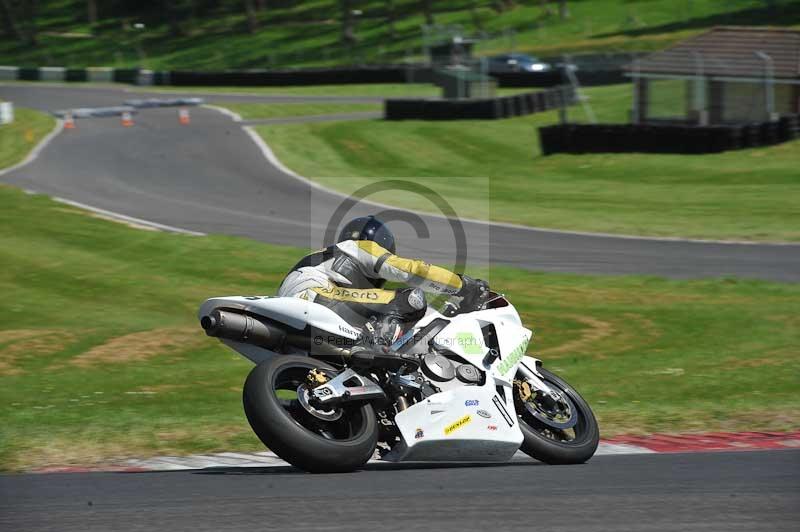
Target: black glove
{"points": [[473, 292]]}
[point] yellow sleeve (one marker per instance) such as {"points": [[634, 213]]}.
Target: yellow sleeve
{"points": [[377, 261]]}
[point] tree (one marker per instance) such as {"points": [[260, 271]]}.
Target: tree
{"points": [[503, 5], [19, 20], [390, 18], [348, 26], [476, 18], [250, 13], [563, 10], [427, 8], [29, 9], [91, 11], [10, 25]]}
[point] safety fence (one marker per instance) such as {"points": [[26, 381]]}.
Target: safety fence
{"points": [[667, 138], [480, 109], [292, 77]]}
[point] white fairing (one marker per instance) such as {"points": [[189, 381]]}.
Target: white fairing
{"points": [[469, 423], [460, 423]]}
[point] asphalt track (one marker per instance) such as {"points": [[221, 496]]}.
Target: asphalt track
{"points": [[726, 492], [211, 177]]}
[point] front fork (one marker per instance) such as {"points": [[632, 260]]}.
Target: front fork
{"points": [[529, 373]]}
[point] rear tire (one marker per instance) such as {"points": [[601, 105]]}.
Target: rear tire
{"points": [[350, 441], [544, 446]]}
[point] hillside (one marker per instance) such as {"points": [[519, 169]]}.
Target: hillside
{"points": [[217, 34]]}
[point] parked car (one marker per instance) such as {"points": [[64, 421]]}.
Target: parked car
{"points": [[500, 64]]}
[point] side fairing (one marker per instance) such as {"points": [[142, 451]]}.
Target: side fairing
{"points": [[464, 337]]}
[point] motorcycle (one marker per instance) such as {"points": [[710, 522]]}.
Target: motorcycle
{"points": [[456, 386]]}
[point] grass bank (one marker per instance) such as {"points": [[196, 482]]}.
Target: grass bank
{"points": [[214, 35], [747, 194], [101, 356], [255, 111], [21, 136]]}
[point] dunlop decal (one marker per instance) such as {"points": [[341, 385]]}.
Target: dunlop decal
{"points": [[457, 425]]}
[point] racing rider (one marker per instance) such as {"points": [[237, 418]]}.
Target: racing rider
{"points": [[349, 276]]}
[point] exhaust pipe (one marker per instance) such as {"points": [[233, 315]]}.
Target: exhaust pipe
{"points": [[242, 328]]}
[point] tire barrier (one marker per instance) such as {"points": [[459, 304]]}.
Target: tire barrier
{"points": [[303, 77], [657, 138], [588, 78], [329, 76], [164, 102], [478, 109], [76, 74], [93, 112]]}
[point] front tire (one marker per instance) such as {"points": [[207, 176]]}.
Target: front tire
{"points": [[284, 426], [556, 446]]}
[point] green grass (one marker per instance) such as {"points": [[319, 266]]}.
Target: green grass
{"points": [[254, 111], [21, 136], [377, 90], [101, 357], [308, 33], [747, 194]]}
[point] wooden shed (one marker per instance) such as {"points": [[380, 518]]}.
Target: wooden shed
{"points": [[728, 75]]}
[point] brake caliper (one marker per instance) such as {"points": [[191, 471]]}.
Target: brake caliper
{"points": [[523, 390], [316, 378]]}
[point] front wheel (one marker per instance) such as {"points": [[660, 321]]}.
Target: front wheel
{"points": [[559, 430], [318, 441]]}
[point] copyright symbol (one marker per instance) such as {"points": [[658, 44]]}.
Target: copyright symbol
{"points": [[318, 340], [411, 218]]}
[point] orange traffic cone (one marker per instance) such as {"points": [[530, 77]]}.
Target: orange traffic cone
{"points": [[69, 121], [183, 116], [127, 119]]}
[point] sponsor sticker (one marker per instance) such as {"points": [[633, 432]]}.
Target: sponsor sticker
{"points": [[491, 427], [512, 358], [457, 425], [356, 295], [471, 402], [419, 434], [484, 413], [349, 331]]}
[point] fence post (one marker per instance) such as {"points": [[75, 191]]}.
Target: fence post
{"points": [[769, 84]]}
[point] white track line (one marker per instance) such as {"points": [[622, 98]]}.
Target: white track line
{"points": [[236, 117], [34, 153], [270, 156], [269, 459], [273, 160], [130, 220]]}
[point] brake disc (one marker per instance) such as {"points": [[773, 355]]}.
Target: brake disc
{"points": [[325, 415], [562, 415]]}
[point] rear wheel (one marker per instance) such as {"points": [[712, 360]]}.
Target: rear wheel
{"points": [[559, 430], [319, 441]]}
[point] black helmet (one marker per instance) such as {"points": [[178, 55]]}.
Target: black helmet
{"points": [[368, 228]]}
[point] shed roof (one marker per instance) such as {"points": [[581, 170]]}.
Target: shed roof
{"points": [[729, 51]]}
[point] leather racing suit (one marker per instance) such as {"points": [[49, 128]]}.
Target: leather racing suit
{"points": [[348, 277]]}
